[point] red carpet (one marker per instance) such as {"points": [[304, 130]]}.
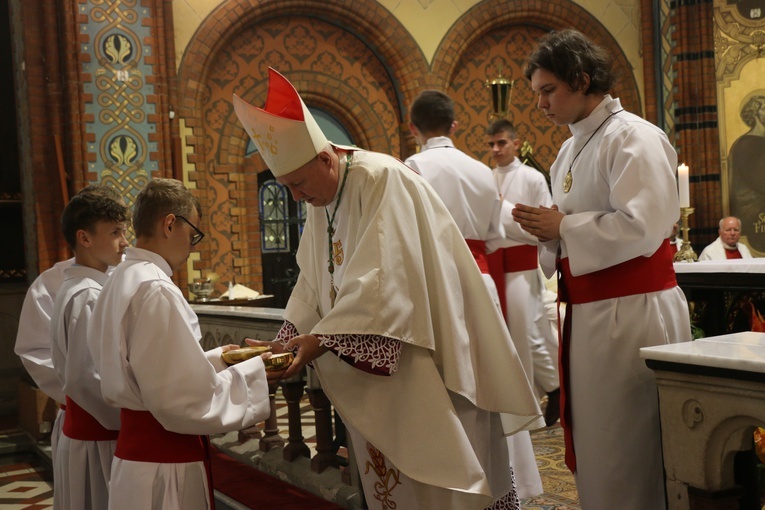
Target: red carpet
{"points": [[259, 491]]}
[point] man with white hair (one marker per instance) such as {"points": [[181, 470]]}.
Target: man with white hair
{"points": [[726, 246], [405, 340]]}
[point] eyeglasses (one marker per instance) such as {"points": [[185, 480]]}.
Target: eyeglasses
{"points": [[196, 237]]}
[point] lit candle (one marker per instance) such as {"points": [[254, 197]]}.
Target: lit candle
{"points": [[682, 183]]}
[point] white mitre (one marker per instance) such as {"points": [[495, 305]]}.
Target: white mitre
{"points": [[284, 131]]}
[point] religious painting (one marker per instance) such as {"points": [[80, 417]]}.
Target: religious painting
{"points": [[741, 113], [747, 172]]}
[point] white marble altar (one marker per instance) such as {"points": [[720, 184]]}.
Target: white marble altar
{"points": [[750, 266], [223, 325], [711, 397]]}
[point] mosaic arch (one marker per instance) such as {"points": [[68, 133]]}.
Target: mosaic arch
{"points": [[351, 72], [507, 32]]}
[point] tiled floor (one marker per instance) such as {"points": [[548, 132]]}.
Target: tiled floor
{"points": [[25, 484], [25, 487]]}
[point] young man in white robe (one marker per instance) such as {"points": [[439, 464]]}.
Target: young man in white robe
{"points": [[464, 184], [33, 339], [94, 226], [144, 337], [615, 202], [467, 189], [406, 341], [516, 269]]}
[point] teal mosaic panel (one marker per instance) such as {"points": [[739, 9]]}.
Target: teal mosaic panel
{"points": [[119, 87]]}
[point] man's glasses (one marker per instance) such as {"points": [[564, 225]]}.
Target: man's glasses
{"points": [[196, 237]]}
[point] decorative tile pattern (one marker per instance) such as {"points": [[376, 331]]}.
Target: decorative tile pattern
{"points": [[557, 481], [116, 55], [501, 51], [24, 483], [559, 488]]}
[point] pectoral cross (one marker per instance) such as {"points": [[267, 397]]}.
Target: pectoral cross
{"points": [[332, 294]]}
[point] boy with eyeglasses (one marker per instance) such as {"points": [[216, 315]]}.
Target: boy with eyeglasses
{"points": [[145, 340], [94, 224]]}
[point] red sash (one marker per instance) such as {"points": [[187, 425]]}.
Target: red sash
{"points": [[142, 438], [640, 275], [637, 276], [520, 258], [478, 249], [80, 424], [510, 260]]}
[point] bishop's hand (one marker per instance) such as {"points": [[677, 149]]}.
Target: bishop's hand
{"points": [[306, 348], [276, 348]]}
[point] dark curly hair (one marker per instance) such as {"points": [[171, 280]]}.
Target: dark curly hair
{"points": [[91, 205], [569, 55]]}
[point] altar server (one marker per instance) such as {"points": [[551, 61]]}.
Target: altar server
{"points": [[516, 268], [615, 202], [145, 341], [33, 339], [94, 226], [467, 188]]}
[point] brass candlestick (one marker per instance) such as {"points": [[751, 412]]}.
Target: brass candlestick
{"points": [[686, 253]]}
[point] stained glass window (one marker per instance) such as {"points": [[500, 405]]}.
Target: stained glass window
{"points": [[274, 218]]}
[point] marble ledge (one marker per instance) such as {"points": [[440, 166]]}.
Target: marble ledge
{"points": [[247, 312], [752, 266], [736, 351]]}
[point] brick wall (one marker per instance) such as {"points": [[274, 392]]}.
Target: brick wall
{"points": [[41, 99], [377, 71], [365, 73], [696, 124]]}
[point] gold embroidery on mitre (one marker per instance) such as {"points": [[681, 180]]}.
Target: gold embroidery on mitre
{"points": [[269, 143], [337, 252], [388, 478]]}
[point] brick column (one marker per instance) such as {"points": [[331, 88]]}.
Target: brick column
{"points": [[696, 122]]}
